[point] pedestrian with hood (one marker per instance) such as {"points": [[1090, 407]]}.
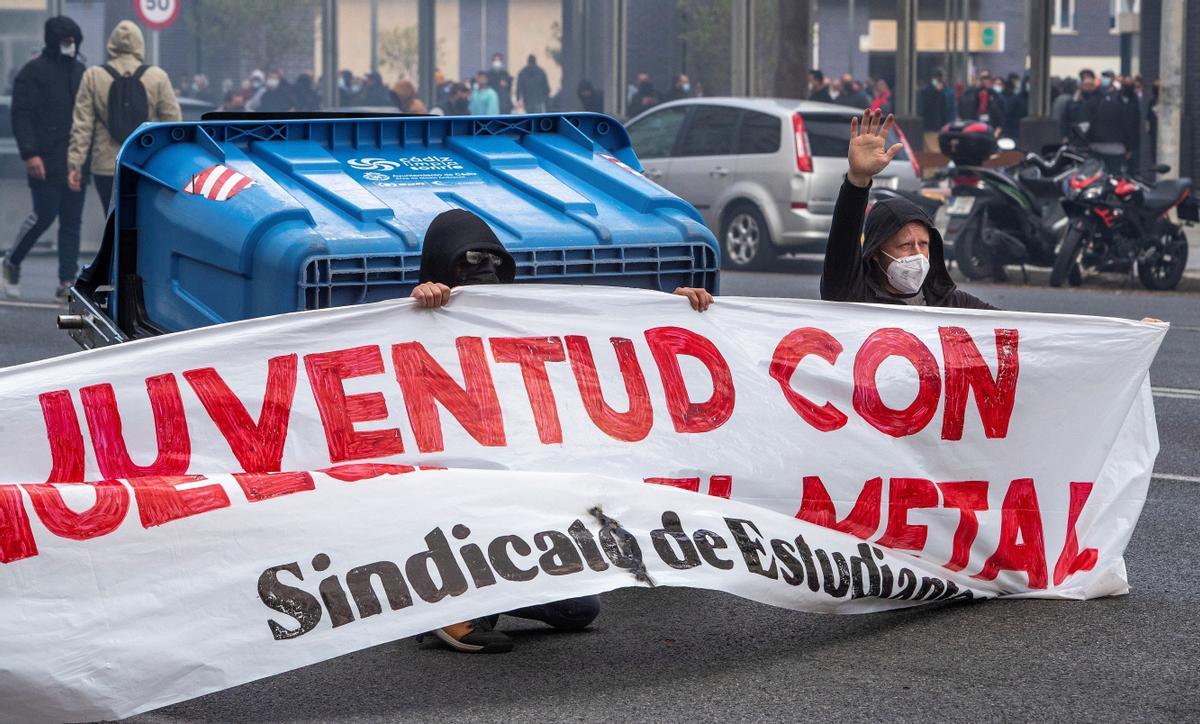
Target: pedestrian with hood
{"points": [[141, 93], [900, 259], [533, 88], [43, 101]]}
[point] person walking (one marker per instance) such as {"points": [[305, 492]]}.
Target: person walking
{"points": [[43, 100], [99, 127], [501, 83], [932, 108], [533, 88], [484, 101]]}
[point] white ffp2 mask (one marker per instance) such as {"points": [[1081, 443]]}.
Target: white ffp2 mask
{"points": [[908, 273]]}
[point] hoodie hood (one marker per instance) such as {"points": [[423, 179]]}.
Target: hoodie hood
{"points": [[58, 29], [451, 235], [886, 218], [126, 39]]}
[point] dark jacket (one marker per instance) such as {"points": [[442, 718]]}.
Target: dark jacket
{"points": [[1115, 120], [821, 95], [970, 106], [1080, 110], [931, 106], [43, 100], [451, 235], [533, 88], [851, 275]]}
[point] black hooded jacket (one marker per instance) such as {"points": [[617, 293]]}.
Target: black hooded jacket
{"points": [[851, 275], [43, 100], [451, 235]]}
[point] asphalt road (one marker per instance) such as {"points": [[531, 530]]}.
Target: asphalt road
{"points": [[686, 655]]}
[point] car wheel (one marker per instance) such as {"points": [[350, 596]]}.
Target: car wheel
{"points": [[745, 241]]}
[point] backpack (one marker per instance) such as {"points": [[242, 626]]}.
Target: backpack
{"points": [[128, 105]]}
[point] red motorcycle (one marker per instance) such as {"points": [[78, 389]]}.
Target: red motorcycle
{"points": [[1122, 224]]}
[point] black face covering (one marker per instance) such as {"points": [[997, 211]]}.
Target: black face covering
{"points": [[482, 273]]}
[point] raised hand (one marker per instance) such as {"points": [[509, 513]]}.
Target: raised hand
{"points": [[867, 154]]}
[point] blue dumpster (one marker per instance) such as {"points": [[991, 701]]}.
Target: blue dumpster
{"points": [[225, 220]]}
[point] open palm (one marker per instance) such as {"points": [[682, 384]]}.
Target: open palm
{"points": [[868, 155]]}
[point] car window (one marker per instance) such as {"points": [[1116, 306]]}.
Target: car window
{"points": [[759, 133], [830, 136], [710, 132], [654, 135]]}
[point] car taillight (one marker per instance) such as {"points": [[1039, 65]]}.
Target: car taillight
{"points": [[803, 157], [908, 150]]}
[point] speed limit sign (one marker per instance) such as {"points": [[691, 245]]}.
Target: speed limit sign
{"points": [[157, 14]]}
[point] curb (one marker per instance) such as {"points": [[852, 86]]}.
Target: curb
{"points": [[1037, 277]]}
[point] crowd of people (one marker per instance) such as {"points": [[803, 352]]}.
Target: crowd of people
{"points": [[1111, 113]]}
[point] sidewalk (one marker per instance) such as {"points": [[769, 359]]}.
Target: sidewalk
{"points": [[16, 205]]}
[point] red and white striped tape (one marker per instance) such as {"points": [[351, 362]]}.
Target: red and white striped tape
{"points": [[218, 183]]}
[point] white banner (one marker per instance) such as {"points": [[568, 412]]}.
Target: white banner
{"points": [[872, 457]]}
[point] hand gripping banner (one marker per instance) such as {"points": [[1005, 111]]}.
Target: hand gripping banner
{"points": [[531, 443]]}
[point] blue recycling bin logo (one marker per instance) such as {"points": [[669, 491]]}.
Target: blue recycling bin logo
{"points": [[415, 170]]}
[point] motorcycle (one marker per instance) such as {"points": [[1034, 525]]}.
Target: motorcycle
{"points": [[1012, 216], [1119, 223]]}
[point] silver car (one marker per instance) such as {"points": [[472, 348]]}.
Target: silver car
{"points": [[764, 172]]}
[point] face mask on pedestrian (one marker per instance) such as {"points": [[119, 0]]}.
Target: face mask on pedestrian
{"points": [[497, 64], [907, 274], [1105, 82], [272, 83], [686, 87], [67, 49], [355, 87], [1116, 85], [999, 88], [255, 83]]}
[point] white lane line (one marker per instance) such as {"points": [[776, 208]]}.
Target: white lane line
{"points": [[1180, 478], [1176, 393], [31, 305]]}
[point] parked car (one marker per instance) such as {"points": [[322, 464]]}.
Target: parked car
{"points": [[764, 172]]}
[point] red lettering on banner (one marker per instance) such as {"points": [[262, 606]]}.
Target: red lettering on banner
{"points": [[262, 486], [106, 513], [905, 494], [895, 342], [630, 426], [720, 486], [1072, 560], [1021, 517], [161, 501], [170, 429], [667, 344], [793, 348], [16, 537], [532, 354], [692, 484], [817, 508], [354, 472], [966, 370], [423, 380], [64, 436], [340, 411], [968, 496], [258, 446]]}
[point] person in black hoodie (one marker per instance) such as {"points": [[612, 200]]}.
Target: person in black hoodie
{"points": [[900, 259], [43, 102]]}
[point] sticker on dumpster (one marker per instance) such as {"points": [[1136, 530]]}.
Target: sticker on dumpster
{"points": [[417, 170], [218, 183], [621, 164]]}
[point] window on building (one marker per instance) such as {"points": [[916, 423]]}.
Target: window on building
{"points": [[1064, 16]]}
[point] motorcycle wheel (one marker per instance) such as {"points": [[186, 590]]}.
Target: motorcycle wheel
{"points": [[1163, 267], [971, 254], [1066, 262]]}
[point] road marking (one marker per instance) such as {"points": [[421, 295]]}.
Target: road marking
{"points": [[32, 305], [1176, 393], [1179, 478]]}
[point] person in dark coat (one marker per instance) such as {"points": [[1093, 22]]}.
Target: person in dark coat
{"points": [[591, 99], [43, 103], [500, 81], [818, 89], [900, 259], [533, 88], [985, 102], [279, 96]]}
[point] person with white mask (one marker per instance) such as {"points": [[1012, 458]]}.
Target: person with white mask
{"points": [[900, 259]]}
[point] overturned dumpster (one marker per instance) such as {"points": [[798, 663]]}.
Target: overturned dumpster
{"points": [[225, 220]]}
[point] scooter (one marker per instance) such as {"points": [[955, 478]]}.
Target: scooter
{"points": [[1008, 217]]}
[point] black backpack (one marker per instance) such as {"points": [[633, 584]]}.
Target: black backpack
{"points": [[128, 105]]}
